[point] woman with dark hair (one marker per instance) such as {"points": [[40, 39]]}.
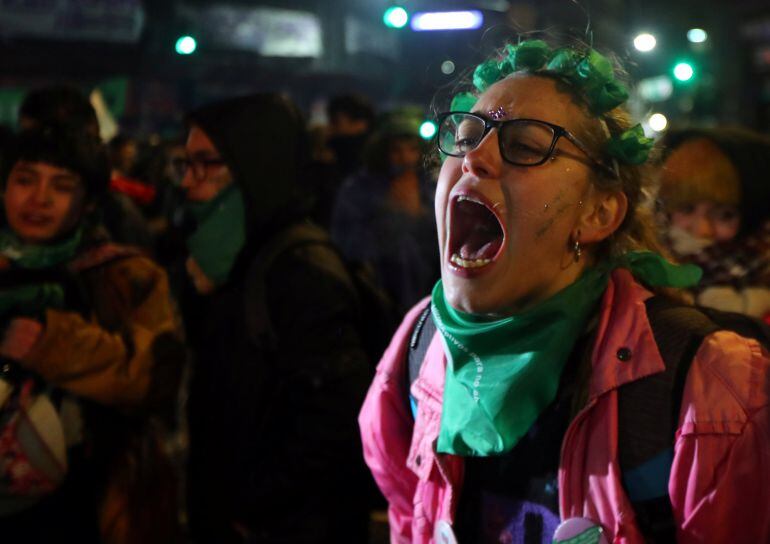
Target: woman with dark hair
{"points": [[90, 353], [715, 193], [542, 393]]}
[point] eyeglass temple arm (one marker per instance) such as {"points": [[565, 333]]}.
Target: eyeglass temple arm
{"points": [[584, 148]]}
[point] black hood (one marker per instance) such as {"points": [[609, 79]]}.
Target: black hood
{"points": [[262, 139]]}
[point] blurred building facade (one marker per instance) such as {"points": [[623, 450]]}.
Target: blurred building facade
{"points": [[312, 49]]}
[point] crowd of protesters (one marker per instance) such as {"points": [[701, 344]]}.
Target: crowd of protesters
{"points": [[183, 337], [188, 326]]}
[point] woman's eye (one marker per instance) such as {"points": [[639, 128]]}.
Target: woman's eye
{"points": [[727, 215], [65, 187], [465, 144], [522, 148], [23, 180]]}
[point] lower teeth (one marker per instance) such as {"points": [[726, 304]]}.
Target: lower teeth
{"points": [[469, 263]]}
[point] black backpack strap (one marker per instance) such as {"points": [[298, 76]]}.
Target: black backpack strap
{"points": [[744, 325], [256, 313], [422, 334], [648, 415]]}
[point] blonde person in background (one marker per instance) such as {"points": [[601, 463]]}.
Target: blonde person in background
{"points": [[714, 194]]}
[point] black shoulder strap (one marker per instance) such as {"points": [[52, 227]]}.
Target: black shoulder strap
{"points": [[648, 410], [422, 334], [256, 315]]}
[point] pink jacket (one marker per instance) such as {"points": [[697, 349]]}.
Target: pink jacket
{"points": [[720, 477]]}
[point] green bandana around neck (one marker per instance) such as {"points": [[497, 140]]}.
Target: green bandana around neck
{"points": [[501, 374], [221, 233], [31, 299], [37, 256]]}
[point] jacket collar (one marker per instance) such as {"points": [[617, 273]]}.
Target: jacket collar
{"points": [[625, 348]]}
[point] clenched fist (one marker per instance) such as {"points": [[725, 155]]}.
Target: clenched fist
{"points": [[20, 337], [202, 283]]}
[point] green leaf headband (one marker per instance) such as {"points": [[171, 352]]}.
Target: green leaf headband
{"points": [[590, 72]]}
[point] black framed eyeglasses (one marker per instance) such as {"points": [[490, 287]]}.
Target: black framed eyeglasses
{"points": [[199, 165], [523, 142]]}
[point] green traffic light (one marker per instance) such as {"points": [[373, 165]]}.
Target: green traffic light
{"points": [[395, 17], [428, 130], [186, 45], [684, 71]]}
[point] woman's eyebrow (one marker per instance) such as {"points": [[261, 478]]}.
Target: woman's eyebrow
{"points": [[205, 155], [66, 177], [25, 169]]}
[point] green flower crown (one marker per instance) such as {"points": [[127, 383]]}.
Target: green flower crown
{"points": [[588, 71]]}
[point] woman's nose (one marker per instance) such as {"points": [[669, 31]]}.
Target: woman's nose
{"points": [[703, 227], [484, 161], [43, 194], [188, 179]]}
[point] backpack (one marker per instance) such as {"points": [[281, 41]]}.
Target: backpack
{"points": [[33, 442], [379, 317], [648, 409], [38, 422]]}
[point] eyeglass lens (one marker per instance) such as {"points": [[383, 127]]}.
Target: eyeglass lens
{"points": [[522, 142]]}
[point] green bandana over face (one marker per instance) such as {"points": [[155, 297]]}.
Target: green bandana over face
{"points": [[501, 374], [220, 235]]}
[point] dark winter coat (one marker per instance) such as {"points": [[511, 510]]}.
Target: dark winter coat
{"points": [[274, 453]]}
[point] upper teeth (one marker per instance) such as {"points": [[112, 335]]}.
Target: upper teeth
{"points": [[468, 263], [469, 198]]}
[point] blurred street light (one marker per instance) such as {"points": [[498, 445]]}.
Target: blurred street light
{"points": [[186, 45], [395, 17], [684, 71], [447, 20], [428, 130], [697, 35], [658, 122], [656, 89], [645, 42]]}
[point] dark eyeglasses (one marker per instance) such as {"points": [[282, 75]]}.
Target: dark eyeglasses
{"points": [[199, 165], [523, 142]]}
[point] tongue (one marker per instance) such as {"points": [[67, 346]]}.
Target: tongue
{"points": [[479, 246], [477, 231]]}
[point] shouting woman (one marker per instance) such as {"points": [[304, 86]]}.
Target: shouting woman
{"points": [[543, 392]]}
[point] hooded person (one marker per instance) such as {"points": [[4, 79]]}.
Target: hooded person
{"points": [[351, 117], [383, 213], [279, 366], [714, 194]]}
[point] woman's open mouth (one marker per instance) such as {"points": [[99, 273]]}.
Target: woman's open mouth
{"points": [[475, 234], [36, 219]]}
